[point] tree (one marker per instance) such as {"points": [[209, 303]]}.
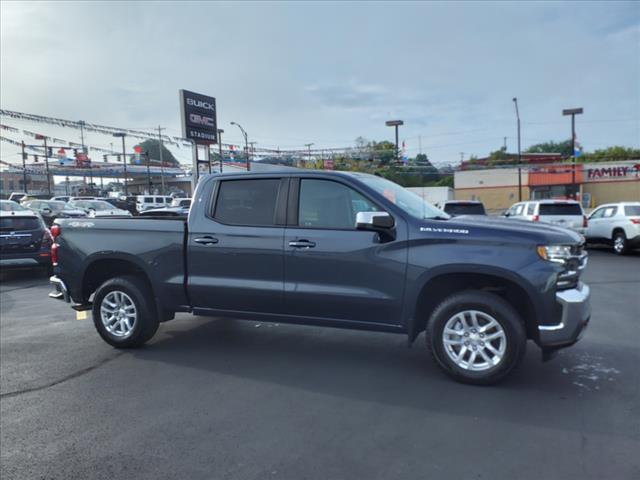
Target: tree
{"points": [[563, 148], [152, 146], [609, 154]]}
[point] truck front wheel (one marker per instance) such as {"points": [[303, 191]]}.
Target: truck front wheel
{"points": [[476, 337], [123, 312]]}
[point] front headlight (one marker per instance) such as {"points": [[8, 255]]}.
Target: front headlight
{"points": [[554, 253]]}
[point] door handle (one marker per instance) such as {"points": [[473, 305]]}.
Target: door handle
{"points": [[302, 244], [206, 240]]}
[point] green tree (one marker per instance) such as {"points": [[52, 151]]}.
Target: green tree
{"points": [[563, 148], [152, 146], [610, 154]]}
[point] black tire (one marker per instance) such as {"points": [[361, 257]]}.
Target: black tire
{"points": [[498, 309], [146, 321], [620, 243]]}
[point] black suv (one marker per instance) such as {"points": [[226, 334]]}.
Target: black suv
{"points": [[24, 239]]}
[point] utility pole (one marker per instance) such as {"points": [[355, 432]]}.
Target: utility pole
{"points": [[308, 145], [148, 171], [124, 159], [161, 162], [220, 132], [573, 112], [24, 169], [505, 144], [46, 162], [84, 149], [515, 101]]}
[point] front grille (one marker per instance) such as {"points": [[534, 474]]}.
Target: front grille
{"points": [[573, 268]]}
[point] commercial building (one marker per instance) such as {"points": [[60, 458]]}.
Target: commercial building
{"points": [[594, 183], [13, 181]]}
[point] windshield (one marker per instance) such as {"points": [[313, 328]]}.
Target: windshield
{"points": [[408, 201], [10, 206]]}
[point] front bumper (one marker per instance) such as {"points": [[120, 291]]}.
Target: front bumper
{"points": [[576, 313]]}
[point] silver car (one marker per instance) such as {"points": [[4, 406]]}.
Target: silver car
{"points": [[616, 224], [98, 208], [564, 213]]}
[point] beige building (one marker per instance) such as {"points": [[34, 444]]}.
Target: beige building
{"points": [[595, 183]]}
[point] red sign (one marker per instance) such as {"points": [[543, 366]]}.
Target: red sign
{"points": [[82, 160]]}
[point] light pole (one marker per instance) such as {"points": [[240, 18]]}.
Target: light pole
{"points": [[246, 143], [24, 168], [161, 162], [309, 145], [220, 132], [82, 123], [515, 101], [573, 112], [124, 159], [396, 124]]}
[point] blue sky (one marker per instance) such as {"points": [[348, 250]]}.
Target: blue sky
{"points": [[293, 73]]}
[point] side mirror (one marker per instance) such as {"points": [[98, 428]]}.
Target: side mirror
{"points": [[506, 214], [46, 210], [374, 221]]}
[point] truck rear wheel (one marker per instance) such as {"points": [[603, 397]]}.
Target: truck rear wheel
{"points": [[123, 312], [476, 337]]}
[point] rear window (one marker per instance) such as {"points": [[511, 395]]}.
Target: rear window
{"points": [[247, 202], [13, 224], [464, 209], [560, 209], [147, 200], [632, 210]]}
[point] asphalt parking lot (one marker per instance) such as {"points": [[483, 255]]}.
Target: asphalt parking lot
{"points": [[217, 399]]}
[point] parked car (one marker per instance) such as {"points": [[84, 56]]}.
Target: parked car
{"points": [[462, 207], [11, 206], [166, 212], [564, 213], [181, 202], [83, 198], [122, 204], [24, 239], [335, 249], [147, 202], [616, 224], [61, 198], [33, 196], [98, 208], [49, 210], [16, 196]]}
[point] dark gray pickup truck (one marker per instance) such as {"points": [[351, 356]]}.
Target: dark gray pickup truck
{"points": [[333, 249]]}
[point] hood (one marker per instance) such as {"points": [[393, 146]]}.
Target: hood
{"points": [[508, 230]]}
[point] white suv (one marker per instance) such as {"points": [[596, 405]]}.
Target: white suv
{"points": [[564, 213], [616, 224]]}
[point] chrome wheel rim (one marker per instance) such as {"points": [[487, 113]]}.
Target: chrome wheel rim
{"points": [[474, 340], [618, 244], [118, 314]]}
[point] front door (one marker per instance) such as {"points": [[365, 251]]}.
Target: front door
{"points": [[235, 251], [332, 270]]}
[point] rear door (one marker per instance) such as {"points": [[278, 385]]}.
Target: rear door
{"points": [[332, 270], [564, 214], [236, 248]]}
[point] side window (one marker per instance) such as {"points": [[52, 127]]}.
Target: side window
{"points": [[519, 209], [597, 214], [328, 204], [148, 200], [609, 212], [247, 202], [531, 208]]}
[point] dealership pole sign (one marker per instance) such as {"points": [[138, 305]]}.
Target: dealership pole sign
{"points": [[199, 121]]}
